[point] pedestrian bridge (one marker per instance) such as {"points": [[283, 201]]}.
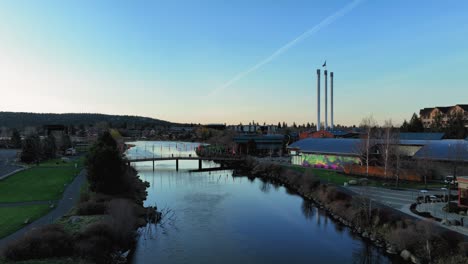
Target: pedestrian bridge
{"points": [[184, 157]]}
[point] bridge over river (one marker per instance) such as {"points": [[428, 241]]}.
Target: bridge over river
{"points": [[185, 157]]}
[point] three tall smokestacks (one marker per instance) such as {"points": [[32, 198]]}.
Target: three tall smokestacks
{"points": [[326, 100]]}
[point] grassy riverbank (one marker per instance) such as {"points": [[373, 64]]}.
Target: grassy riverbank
{"points": [[338, 178], [14, 217], [44, 182], [39, 183]]}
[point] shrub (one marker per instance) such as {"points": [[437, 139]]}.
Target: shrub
{"points": [[463, 248], [95, 243], [91, 208], [405, 238], [122, 221], [45, 242]]}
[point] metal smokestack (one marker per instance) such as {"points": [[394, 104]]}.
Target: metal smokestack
{"points": [[318, 99], [326, 99], [331, 102]]}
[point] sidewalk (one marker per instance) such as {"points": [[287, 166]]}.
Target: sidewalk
{"points": [[69, 199], [435, 209]]}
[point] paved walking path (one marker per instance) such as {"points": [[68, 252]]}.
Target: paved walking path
{"points": [[69, 199], [437, 209]]}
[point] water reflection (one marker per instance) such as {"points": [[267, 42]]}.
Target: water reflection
{"points": [[265, 187], [366, 254], [308, 208]]}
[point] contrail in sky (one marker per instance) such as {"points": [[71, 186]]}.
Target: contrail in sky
{"points": [[327, 21]]}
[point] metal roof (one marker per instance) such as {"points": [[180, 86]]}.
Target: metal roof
{"points": [[259, 138], [449, 150], [339, 146], [421, 136]]}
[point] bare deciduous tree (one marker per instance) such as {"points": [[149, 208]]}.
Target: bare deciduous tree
{"points": [[457, 154], [388, 145], [368, 124], [424, 163]]}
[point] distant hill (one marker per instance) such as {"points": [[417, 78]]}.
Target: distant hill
{"points": [[20, 120]]}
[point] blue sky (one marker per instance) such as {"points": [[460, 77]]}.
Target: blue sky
{"points": [[173, 59]]}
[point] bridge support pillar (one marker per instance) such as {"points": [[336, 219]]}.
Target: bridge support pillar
{"points": [[199, 164], [177, 164]]}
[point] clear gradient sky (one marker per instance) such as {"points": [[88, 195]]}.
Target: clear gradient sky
{"points": [[174, 60]]}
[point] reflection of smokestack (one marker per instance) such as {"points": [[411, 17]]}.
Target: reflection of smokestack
{"points": [[318, 99], [326, 100], [331, 102]]}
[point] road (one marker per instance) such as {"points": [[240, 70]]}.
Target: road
{"points": [[8, 162], [69, 199], [391, 197]]}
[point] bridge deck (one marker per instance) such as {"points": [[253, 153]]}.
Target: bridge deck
{"points": [[185, 158]]}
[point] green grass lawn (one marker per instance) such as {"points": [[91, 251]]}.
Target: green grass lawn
{"points": [[38, 183], [48, 261], [325, 175], [12, 218], [61, 163], [337, 178]]}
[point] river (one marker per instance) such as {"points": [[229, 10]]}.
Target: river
{"points": [[213, 217]]}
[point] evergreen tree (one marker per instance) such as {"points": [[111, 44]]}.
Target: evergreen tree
{"points": [[31, 150], [105, 167], [455, 126], [279, 124], [66, 142], [404, 127], [415, 124], [15, 139], [49, 147]]}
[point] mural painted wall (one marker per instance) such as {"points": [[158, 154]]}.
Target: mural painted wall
{"points": [[332, 162]]}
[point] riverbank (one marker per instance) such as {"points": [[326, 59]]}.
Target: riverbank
{"points": [[414, 240]]}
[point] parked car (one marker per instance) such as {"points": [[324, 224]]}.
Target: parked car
{"points": [[70, 152]]}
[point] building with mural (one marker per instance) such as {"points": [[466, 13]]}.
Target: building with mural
{"points": [[327, 153]]}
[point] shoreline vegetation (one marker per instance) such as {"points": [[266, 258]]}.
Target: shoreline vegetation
{"points": [[416, 241], [103, 226]]}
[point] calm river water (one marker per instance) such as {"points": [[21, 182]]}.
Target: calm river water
{"points": [[216, 218]]}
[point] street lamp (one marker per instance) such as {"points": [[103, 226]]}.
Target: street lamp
{"points": [[449, 180], [424, 192]]}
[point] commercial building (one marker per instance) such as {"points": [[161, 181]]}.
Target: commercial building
{"points": [[327, 153], [260, 144], [462, 191]]}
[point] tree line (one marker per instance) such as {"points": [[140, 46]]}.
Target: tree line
{"points": [[35, 149]]}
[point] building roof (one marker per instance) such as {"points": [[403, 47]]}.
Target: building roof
{"points": [[444, 109], [259, 138], [448, 150], [463, 106], [421, 136], [425, 111], [338, 146], [339, 133]]}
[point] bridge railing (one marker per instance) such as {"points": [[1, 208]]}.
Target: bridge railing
{"points": [[178, 155]]}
